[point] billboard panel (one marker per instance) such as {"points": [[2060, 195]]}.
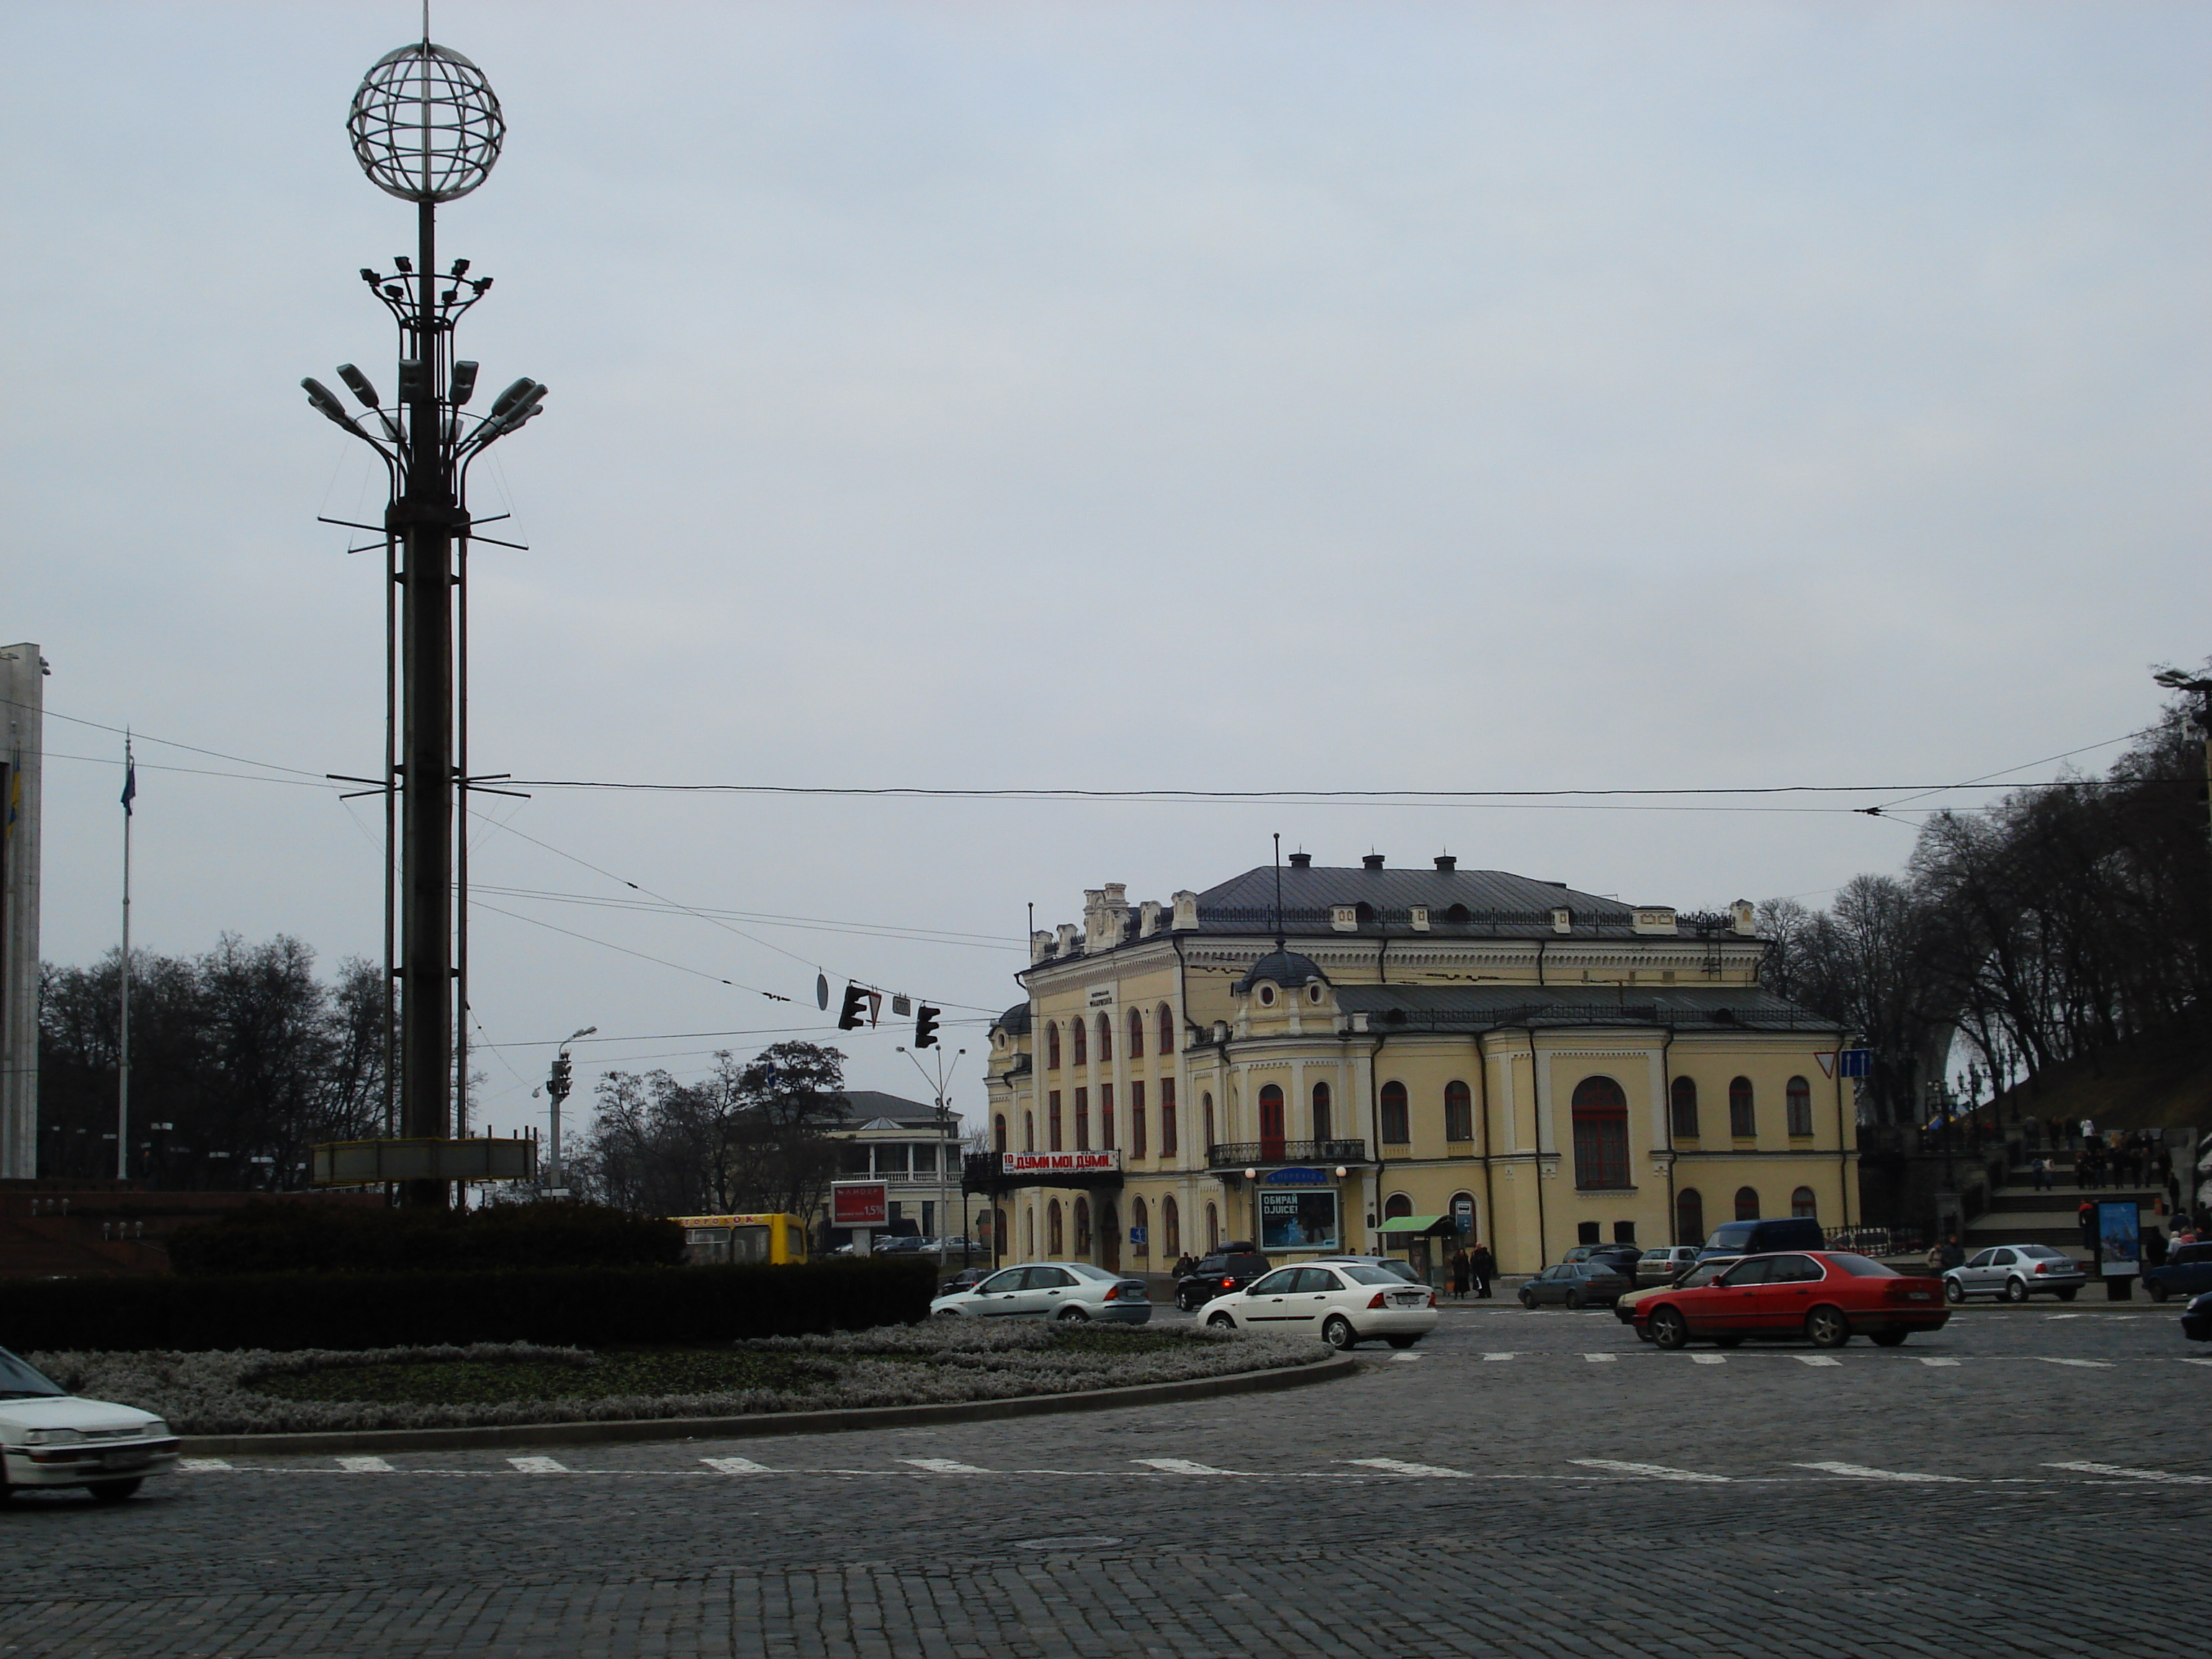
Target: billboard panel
{"points": [[2119, 1239], [1039, 1163], [860, 1204], [1303, 1220]]}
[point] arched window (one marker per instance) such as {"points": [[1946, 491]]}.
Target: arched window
{"points": [[1206, 1111], [1689, 1217], [1743, 1118], [1170, 1228], [1323, 1129], [1397, 1121], [1052, 1122], [1213, 1230], [1459, 1112], [1105, 1039], [1138, 1125], [1271, 1123], [1799, 1096], [1052, 1046], [1364, 911], [1166, 1030], [1804, 1205], [1028, 1132], [998, 1131], [1167, 1117], [998, 1232], [1140, 1234], [1456, 914], [1081, 1031], [1601, 1112], [1685, 1095], [1746, 1204], [1136, 1035], [1082, 1227], [1396, 1205], [1055, 1241]]}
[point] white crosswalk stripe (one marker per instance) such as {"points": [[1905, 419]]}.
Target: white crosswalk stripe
{"points": [[1600, 1359], [943, 1465], [1654, 1471], [737, 1466], [1709, 1359], [2195, 1362], [201, 1465], [1179, 1466], [1863, 1473], [539, 1464], [1927, 1361], [364, 1466], [2087, 1364], [1816, 1359], [1394, 1466], [2157, 1476], [1499, 1356], [1404, 1356]]}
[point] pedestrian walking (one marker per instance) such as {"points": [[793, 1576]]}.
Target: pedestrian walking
{"points": [[2042, 1174], [2085, 1217], [1460, 1273], [2154, 1246], [1482, 1268]]}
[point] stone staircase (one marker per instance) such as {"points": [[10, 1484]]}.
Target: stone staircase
{"points": [[2018, 1214]]}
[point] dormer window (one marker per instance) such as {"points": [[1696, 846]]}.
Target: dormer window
{"points": [[1420, 918], [1266, 996], [1313, 994], [1344, 918]]}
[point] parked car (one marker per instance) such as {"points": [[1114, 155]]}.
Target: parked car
{"points": [[2016, 1272], [1071, 1290], [1218, 1274], [2187, 1271], [2196, 1318], [50, 1437], [1397, 1267], [1342, 1302], [1827, 1296], [1762, 1237], [1665, 1264], [966, 1279], [1575, 1284], [1697, 1273]]}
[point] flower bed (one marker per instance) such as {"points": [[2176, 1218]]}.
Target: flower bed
{"points": [[257, 1392]]}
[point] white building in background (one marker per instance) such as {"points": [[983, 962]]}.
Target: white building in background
{"points": [[22, 702]]}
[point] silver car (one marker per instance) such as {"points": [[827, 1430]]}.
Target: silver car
{"points": [[1072, 1291], [1664, 1264], [2015, 1271]]}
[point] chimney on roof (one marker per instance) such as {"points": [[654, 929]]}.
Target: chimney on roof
{"points": [[1302, 861], [1372, 861], [1446, 863]]}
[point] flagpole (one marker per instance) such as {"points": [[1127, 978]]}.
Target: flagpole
{"points": [[122, 1046]]}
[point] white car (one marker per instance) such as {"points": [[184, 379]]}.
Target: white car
{"points": [[1343, 1303], [50, 1437], [1069, 1290]]}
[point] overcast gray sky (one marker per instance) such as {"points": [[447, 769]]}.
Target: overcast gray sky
{"points": [[1127, 395]]}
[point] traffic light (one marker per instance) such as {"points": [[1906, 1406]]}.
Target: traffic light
{"points": [[856, 1008], [558, 1084], [925, 1027]]}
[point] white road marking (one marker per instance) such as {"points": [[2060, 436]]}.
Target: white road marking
{"points": [[1709, 1359], [2063, 1315], [539, 1464], [736, 1466], [2197, 1361], [1179, 1466], [2157, 1475], [364, 1466], [2088, 1364], [1498, 1356], [1655, 1471], [1395, 1467], [1816, 1359], [1865, 1473], [942, 1466], [201, 1465], [1925, 1361], [1404, 1356], [1600, 1359]]}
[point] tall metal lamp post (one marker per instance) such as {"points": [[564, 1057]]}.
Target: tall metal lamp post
{"points": [[426, 127]]}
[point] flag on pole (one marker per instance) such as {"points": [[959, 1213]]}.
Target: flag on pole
{"points": [[130, 780]]}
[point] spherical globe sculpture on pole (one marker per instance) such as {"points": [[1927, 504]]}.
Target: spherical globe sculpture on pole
{"points": [[426, 125]]}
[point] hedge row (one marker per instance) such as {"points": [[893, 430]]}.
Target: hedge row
{"points": [[329, 1239], [588, 1306]]}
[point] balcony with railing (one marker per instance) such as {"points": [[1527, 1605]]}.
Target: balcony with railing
{"points": [[1253, 1154]]}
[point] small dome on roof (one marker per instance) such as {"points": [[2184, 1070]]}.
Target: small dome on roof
{"points": [[1015, 1022], [1287, 968]]}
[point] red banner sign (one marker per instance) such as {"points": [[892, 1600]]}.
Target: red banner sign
{"points": [[860, 1204], [1058, 1163]]}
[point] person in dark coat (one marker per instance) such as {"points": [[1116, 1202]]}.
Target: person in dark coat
{"points": [[1481, 1267], [1459, 1274]]}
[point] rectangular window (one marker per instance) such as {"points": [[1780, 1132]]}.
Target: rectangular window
{"points": [[1601, 1150], [1106, 1116], [1052, 1122], [1136, 1119], [1082, 1120], [925, 1159], [1167, 1117]]}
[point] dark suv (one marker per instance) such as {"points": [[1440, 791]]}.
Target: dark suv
{"points": [[1217, 1275], [1765, 1237]]}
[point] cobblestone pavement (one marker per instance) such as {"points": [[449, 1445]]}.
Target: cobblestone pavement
{"points": [[2020, 1483]]}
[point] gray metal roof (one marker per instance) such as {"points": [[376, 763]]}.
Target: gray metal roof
{"points": [[1287, 968], [1495, 903], [1481, 1008], [1015, 1022], [861, 1105]]}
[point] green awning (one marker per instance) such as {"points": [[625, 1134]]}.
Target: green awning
{"points": [[1409, 1223]]}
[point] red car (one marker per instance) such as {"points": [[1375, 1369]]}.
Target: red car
{"points": [[1825, 1296]]}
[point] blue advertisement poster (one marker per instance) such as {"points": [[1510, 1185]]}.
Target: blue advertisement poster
{"points": [[2119, 1239], [1298, 1220]]}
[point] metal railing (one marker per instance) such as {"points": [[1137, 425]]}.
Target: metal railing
{"points": [[1236, 1154]]}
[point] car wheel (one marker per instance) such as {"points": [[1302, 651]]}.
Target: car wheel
{"points": [[1827, 1328], [1074, 1314], [1527, 1301], [2015, 1289], [1888, 1339], [1339, 1334], [946, 1313], [113, 1492], [1669, 1329], [2158, 1292], [1953, 1292], [2067, 1294], [1728, 1342], [1575, 1299], [1221, 1322], [1401, 1341]]}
